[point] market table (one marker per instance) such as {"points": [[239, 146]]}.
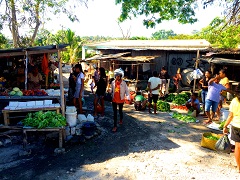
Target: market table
{"points": [[28, 129], [6, 112]]}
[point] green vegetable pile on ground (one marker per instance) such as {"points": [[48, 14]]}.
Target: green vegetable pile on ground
{"points": [[212, 137], [181, 98], [163, 106], [222, 125], [42, 119], [170, 98], [184, 118]]}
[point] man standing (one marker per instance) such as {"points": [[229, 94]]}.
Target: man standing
{"points": [[153, 91]]}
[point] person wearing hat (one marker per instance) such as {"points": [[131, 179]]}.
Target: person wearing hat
{"points": [[119, 91], [234, 120], [79, 87]]}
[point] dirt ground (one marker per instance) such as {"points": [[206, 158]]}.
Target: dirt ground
{"points": [[146, 146]]}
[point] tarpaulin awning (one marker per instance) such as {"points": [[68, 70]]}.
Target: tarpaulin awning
{"points": [[108, 56], [137, 58], [224, 61]]}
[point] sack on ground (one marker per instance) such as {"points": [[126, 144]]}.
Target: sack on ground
{"points": [[209, 140], [223, 144]]}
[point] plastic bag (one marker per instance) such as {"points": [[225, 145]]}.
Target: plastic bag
{"points": [[223, 144]]}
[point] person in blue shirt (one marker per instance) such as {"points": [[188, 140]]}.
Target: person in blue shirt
{"points": [[193, 103]]}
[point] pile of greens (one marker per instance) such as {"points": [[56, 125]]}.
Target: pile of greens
{"points": [[170, 98], [222, 125], [163, 106], [212, 137], [181, 98], [184, 118], [42, 119]]}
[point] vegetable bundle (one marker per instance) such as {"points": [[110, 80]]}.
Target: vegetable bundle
{"points": [[222, 125], [184, 118], [170, 97], [181, 98], [212, 137], [42, 119], [163, 106]]}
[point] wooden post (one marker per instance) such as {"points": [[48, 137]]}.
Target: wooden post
{"points": [[61, 82], [26, 70], [137, 72], [196, 66]]}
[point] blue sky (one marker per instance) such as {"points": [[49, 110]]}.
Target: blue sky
{"points": [[100, 18]]}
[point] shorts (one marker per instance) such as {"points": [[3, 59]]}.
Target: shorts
{"points": [[209, 104], [235, 134], [154, 98], [99, 96]]}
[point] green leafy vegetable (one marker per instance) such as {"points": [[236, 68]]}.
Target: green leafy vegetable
{"points": [[212, 137], [170, 98], [222, 125], [42, 119], [163, 106], [184, 118]]}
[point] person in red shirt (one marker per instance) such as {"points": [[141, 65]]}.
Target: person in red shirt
{"points": [[119, 90]]}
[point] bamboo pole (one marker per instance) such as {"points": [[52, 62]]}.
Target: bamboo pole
{"points": [[196, 66], [62, 99]]}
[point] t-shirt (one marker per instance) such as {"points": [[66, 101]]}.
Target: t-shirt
{"points": [[139, 98], [101, 87], [235, 109], [155, 81], [35, 79], [214, 91], [79, 78], [196, 101], [224, 81], [116, 96]]}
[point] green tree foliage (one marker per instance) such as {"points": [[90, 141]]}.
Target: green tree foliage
{"points": [[163, 34], [157, 11], [138, 38], [3, 41], [18, 14]]}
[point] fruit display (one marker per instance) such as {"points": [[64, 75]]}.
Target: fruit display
{"points": [[16, 92], [181, 107], [37, 92]]}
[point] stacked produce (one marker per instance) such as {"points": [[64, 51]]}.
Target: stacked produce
{"points": [[42, 119], [181, 98], [170, 98], [181, 107], [16, 92], [184, 118], [212, 137], [37, 92], [163, 106]]}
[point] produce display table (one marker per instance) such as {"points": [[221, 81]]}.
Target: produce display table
{"points": [[6, 112], [60, 130]]}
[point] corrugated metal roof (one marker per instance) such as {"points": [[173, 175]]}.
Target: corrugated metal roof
{"points": [[199, 44]]}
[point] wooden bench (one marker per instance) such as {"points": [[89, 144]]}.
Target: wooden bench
{"points": [[6, 112]]}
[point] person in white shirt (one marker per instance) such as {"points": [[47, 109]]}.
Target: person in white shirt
{"points": [[153, 91]]}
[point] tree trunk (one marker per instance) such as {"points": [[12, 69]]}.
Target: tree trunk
{"points": [[14, 25], [37, 24]]}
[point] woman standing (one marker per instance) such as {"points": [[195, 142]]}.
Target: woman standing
{"points": [[119, 90], [79, 87], [176, 79], [225, 82], [101, 89], [204, 83], [234, 119], [163, 75]]}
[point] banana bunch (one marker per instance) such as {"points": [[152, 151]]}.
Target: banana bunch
{"points": [[2, 79]]}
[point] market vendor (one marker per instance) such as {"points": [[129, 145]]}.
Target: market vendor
{"points": [[140, 102], [194, 103], [34, 79]]}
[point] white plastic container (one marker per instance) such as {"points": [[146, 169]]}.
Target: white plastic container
{"points": [[90, 118], [71, 118], [82, 118], [71, 109]]}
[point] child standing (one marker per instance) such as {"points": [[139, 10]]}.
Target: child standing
{"points": [[92, 84]]}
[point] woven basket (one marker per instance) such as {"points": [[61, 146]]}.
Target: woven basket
{"points": [[209, 143]]}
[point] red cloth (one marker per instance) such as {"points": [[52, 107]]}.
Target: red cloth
{"points": [[45, 68], [116, 97]]}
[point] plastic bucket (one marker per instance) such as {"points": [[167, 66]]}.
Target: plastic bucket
{"points": [[71, 118], [71, 109], [88, 128]]}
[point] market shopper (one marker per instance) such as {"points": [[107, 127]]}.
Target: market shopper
{"points": [[79, 90], [153, 91], [213, 97], [72, 85], [225, 82], [176, 79], [163, 75], [234, 120], [204, 86], [34, 79], [119, 91], [100, 92]]}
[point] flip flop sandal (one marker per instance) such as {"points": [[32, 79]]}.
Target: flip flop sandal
{"points": [[120, 122], [114, 129], [207, 122]]}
